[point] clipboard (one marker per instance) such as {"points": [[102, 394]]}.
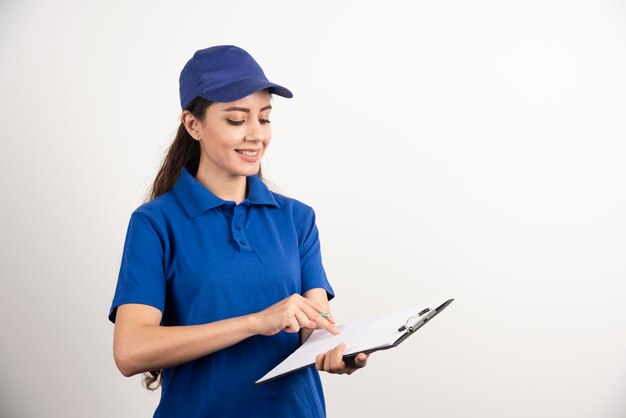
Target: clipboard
{"points": [[379, 333]]}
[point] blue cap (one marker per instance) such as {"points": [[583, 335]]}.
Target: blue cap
{"points": [[224, 73]]}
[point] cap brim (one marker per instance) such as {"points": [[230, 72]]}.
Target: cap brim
{"points": [[242, 88]]}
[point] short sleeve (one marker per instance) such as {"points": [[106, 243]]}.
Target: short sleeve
{"points": [[142, 275], [312, 271]]}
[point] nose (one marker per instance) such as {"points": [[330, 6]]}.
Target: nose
{"points": [[255, 131]]}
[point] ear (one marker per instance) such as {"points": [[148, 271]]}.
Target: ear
{"points": [[192, 125]]}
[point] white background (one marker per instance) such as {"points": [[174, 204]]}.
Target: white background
{"points": [[473, 150]]}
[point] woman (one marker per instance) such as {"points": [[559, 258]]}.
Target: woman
{"points": [[221, 278]]}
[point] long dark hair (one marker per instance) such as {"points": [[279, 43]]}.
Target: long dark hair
{"points": [[183, 151]]}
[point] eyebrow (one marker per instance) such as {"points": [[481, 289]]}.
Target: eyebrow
{"points": [[244, 109]]}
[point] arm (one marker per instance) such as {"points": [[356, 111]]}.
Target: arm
{"points": [[141, 344]]}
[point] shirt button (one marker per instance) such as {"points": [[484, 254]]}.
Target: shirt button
{"points": [[242, 242], [238, 227]]}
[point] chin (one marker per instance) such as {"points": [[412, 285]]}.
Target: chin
{"points": [[250, 172]]}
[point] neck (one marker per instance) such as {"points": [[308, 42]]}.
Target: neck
{"points": [[226, 187]]}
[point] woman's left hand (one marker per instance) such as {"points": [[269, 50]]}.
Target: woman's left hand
{"points": [[332, 361]]}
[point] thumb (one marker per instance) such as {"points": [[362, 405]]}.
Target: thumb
{"points": [[361, 360]]}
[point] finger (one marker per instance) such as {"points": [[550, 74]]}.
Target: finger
{"points": [[313, 304], [291, 324], [336, 361], [304, 321], [328, 316], [320, 320], [361, 360], [318, 308], [314, 314], [319, 361], [327, 361], [325, 323]]}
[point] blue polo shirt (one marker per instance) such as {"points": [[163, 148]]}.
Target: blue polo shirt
{"points": [[198, 259]]}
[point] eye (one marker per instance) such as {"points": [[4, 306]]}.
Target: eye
{"points": [[234, 122], [264, 121]]}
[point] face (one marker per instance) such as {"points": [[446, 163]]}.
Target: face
{"points": [[233, 135]]}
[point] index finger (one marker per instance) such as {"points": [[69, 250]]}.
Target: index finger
{"points": [[316, 317], [328, 316], [313, 304]]}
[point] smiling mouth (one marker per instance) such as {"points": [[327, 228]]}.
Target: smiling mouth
{"points": [[247, 152]]}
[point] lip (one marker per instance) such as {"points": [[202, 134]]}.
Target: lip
{"points": [[249, 158]]}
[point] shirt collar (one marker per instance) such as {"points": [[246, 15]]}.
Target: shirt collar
{"points": [[196, 198]]}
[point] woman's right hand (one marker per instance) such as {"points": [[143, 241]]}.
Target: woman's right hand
{"points": [[291, 314]]}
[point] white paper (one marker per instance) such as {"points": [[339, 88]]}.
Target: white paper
{"points": [[381, 331]]}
